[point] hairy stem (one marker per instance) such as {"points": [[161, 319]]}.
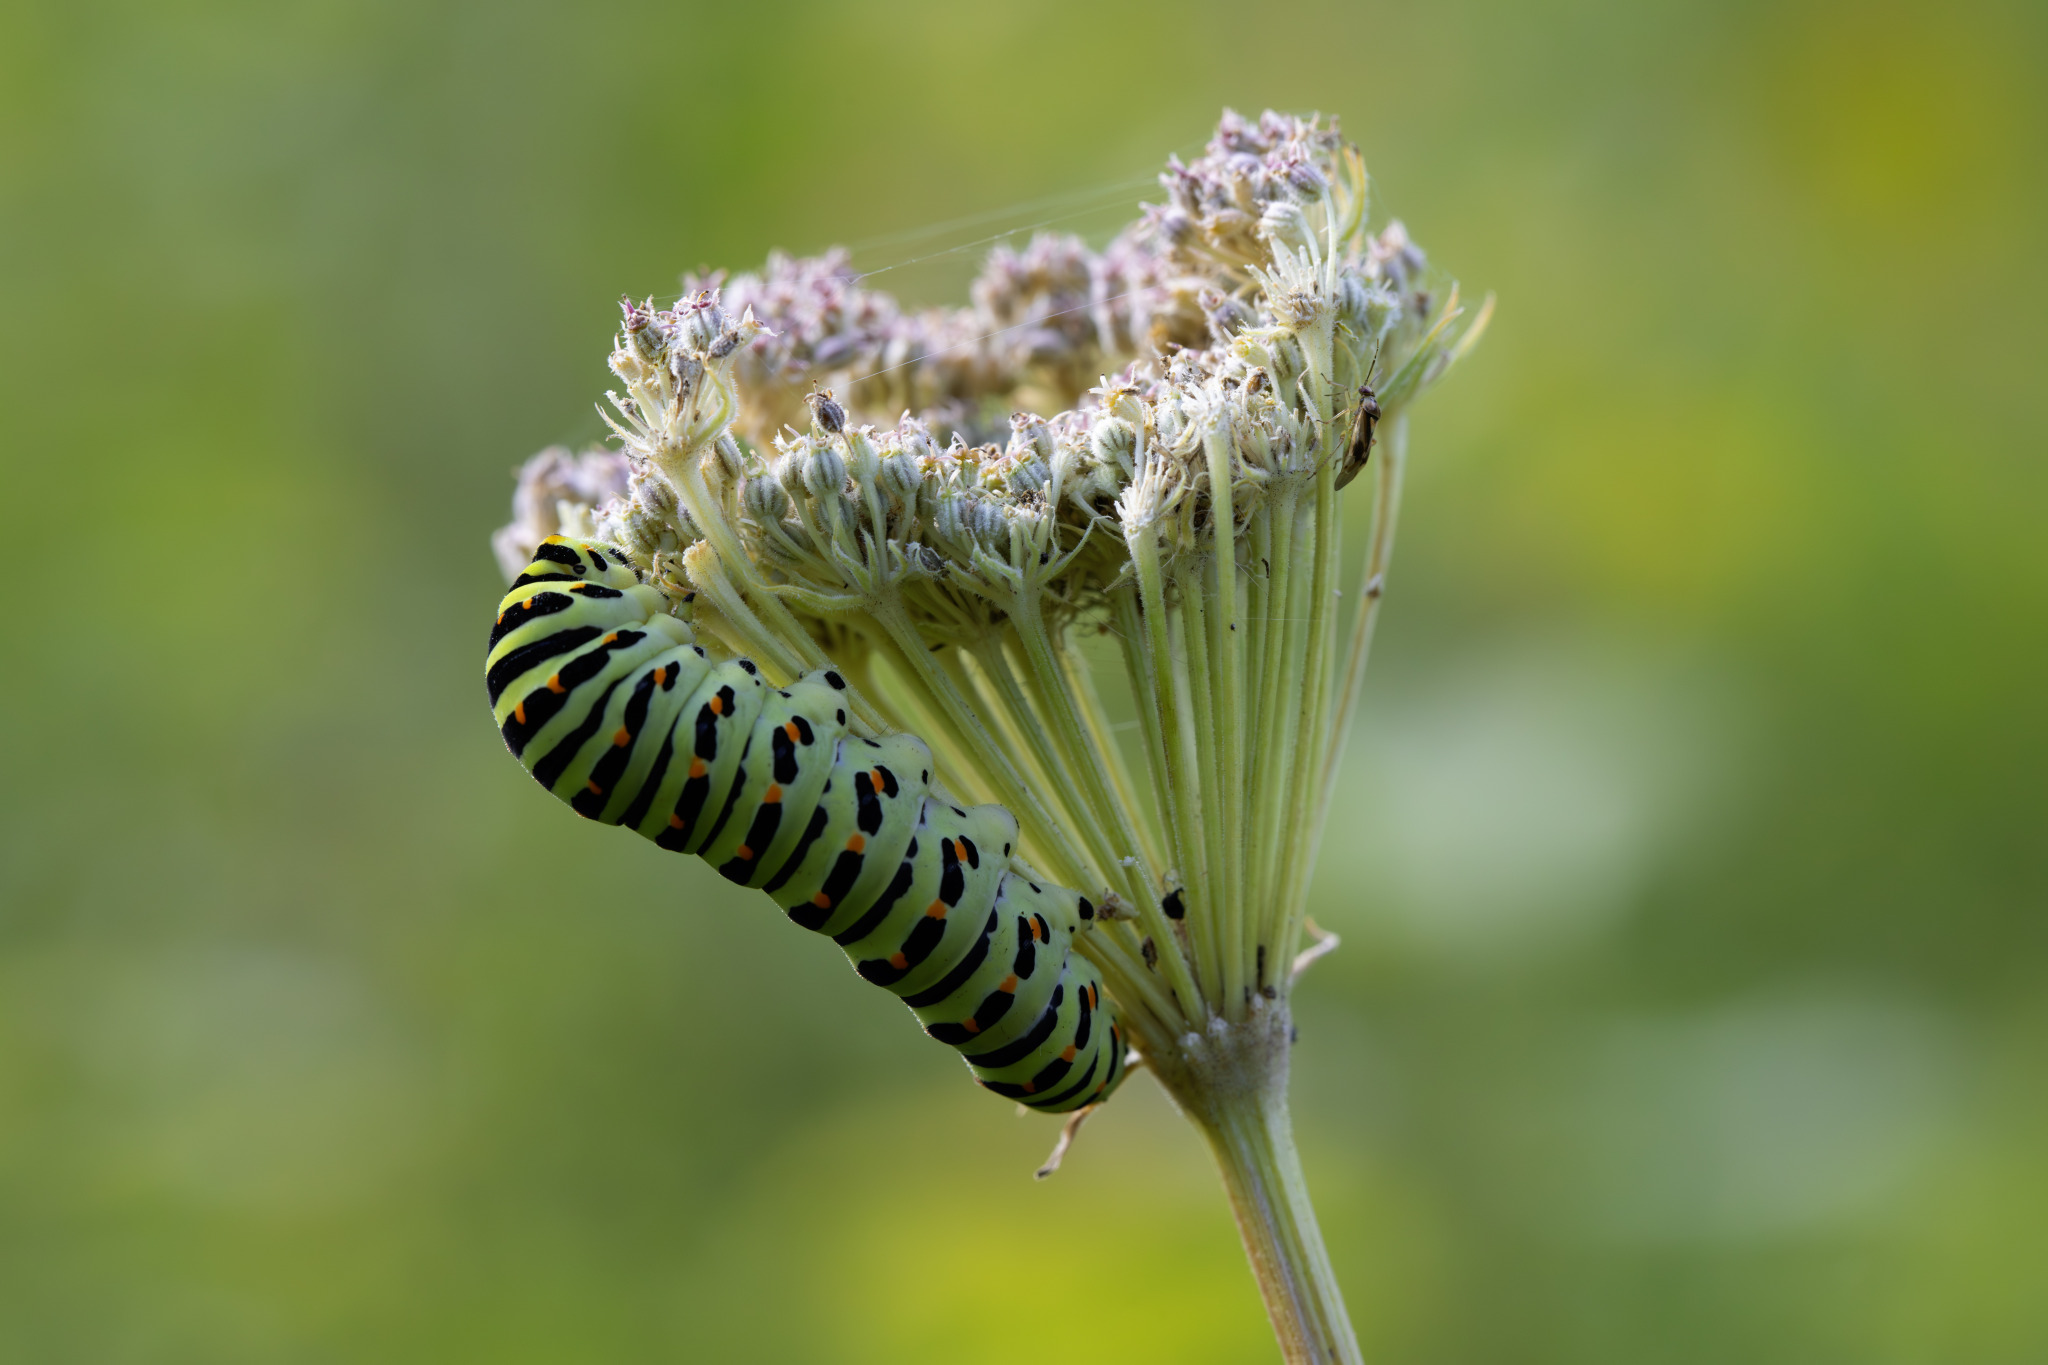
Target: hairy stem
{"points": [[1230, 1080]]}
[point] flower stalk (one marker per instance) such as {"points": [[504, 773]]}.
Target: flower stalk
{"points": [[950, 565], [1234, 1080]]}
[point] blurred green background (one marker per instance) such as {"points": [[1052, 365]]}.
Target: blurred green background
{"points": [[1691, 862]]}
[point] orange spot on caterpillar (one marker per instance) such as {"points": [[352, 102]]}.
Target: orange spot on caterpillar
{"points": [[789, 728], [875, 780], [716, 704], [936, 910], [675, 821], [519, 711], [1034, 930], [1068, 1054], [743, 853], [773, 796], [621, 737], [661, 677], [595, 790], [822, 901], [1030, 1089], [612, 638], [856, 844], [960, 849], [970, 1025], [898, 961], [696, 767], [1009, 986], [555, 683]]}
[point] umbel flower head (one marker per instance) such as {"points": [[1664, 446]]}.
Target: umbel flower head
{"points": [[1107, 487]]}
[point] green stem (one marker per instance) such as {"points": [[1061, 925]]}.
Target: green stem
{"points": [[1208, 896], [1274, 769], [1231, 1081], [1087, 764], [979, 749], [1317, 686], [1087, 780], [1228, 653], [1102, 737], [1182, 786], [1140, 676], [1371, 589]]}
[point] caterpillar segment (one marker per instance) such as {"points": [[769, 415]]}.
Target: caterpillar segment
{"points": [[610, 704]]}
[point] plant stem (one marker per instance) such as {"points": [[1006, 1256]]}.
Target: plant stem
{"points": [[1231, 1082]]}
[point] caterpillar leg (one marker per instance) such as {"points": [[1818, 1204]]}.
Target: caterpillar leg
{"points": [[1068, 1132]]}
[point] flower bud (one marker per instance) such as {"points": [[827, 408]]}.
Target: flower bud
{"points": [[962, 463], [915, 438], [949, 521], [931, 490], [789, 471], [764, 500], [1227, 314], [1369, 310], [1283, 221], [1173, 224], [1027, 475], [729, 456], [1123, 402], [1030, 435], [1282, 449], [862, 459], [687, 370], [1114, 440], [841, 515], [1297, 308], [1027, 518], [644, 332], [987, 524], [646, 486], [899, 476], [824, 473], [1168, 418], [645, 519], [1069, 463], [701, 320], [1307, 180]]}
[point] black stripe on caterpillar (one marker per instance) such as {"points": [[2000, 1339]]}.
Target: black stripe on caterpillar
{"points": [[611, 705]]}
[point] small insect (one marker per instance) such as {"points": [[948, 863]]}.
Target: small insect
{"points": [[1362, 428], [826, 409], [1363, 422]]}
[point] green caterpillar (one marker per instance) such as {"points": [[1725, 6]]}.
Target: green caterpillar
{"points": [[604, 698]]}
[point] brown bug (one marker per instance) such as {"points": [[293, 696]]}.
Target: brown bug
{"points": [[1363, 422], [826, 409], [1361, 435]]}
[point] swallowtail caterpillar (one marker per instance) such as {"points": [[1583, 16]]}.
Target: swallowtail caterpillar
{"points": [[612, 706]]}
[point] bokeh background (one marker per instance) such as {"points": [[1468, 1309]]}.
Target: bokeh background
{"points": [[1691, 862]]}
